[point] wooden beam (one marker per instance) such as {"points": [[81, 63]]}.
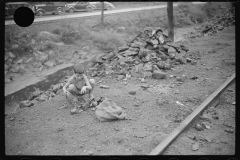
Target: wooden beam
{"points": [[166, 142], [170, 20]]}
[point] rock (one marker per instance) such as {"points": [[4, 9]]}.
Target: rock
{"points": [[6, 67], [29, 60], [158, 74], [142, 53], [208, 139], [183, 60], [15, 69], [51, 54], [42, 97], [195, 146], [120, 77], [25, 104], [139, 67], [50, 63], [10, 54], [75, 111], [42, 57], [189, 60], [229, 130], [19, 61], [86, 48], [7, 80], [193, 62], [140, 134], [181, 79], [163, 65], [133, 92], [205, 117], [33, 41], [147, 67], [193, 137], [130, 53], [90, 152], [147, 74], [15, 46], [198, 127], [143, 80], [104, 86], [123, 48]]}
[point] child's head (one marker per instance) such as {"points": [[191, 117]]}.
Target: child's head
{"points": [[78, 70]]}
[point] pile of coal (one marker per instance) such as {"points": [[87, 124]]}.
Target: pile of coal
{"points": [[150, 51]]}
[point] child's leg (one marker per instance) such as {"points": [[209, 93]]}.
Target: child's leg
{"points": [[71, 96]]}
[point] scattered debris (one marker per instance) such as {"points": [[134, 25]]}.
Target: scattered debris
{"points": [[104, 86]]}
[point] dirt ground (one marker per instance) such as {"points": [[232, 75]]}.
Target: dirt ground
{"points": [[45, 129]]}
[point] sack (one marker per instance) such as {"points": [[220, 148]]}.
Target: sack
{"points": [[108, 110]]}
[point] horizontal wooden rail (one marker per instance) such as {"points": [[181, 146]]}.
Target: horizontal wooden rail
{"points": [[166, 142]]}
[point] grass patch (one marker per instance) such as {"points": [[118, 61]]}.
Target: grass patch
{"points": [[107, 40], [47, 45]]}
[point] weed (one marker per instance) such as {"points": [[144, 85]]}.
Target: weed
{"points": [[47, 45]]}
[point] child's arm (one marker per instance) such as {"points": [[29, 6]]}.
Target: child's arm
{"points": [[70, 80], [88, 86]]}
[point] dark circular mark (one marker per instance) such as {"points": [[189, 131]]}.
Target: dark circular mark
{"points": [[23, 16]]}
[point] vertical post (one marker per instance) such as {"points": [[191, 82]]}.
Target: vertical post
{"points": [[170, 20], [102, 12]]}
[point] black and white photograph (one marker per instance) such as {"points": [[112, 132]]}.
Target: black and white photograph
{"points": [[109, 78]]}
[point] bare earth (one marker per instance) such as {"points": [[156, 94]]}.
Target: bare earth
{"points": [[45, 129]]}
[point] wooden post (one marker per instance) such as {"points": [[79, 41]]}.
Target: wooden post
{"points": [[102, 12], [170, 20]]}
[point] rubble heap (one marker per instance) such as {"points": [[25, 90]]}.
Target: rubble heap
{"points": [[148, 55], [218, 23]]}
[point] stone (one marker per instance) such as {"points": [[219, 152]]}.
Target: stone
{"points": [[42, 58], [147, 74], [193, 62], [7, 80], [133, 92], [120, 77], [15, 46], [229, 130], [145, 86], [104, 86], [189, 60], [183, 60], [50, 63], [158, 74], [51, 54], [29, 60], [33, 41], [24, 104], [10, 54], [123, 48], [19, 61], [198, 127], [130, 53], [147, 67], [139, 67], [195, 146]]}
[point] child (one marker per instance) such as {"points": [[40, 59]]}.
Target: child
{"points": [[77, 86]]}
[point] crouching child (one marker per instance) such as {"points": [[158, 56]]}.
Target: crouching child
{"points": [[78, 89]]}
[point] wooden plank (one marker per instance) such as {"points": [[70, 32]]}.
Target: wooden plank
{"points": [[166, 142]]}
